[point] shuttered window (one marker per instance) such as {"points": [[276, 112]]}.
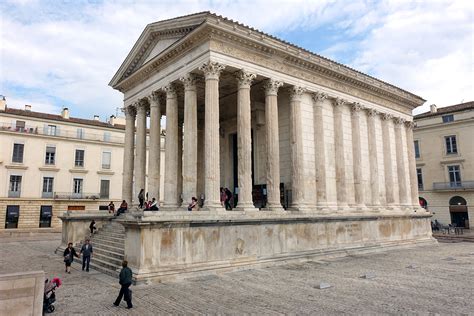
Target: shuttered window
{"points": [[18, 153], [104, 189]]}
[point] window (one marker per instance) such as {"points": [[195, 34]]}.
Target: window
{"points": [[106, 158], [417, 149], [48, 187], [20, 126], [77, 186], [451, 146], [106, 136], [448, 118], [419, 175], [80, 133], [454, 176], [79, 158], [104, 189], [50, 155], [15, 186], [18, 153], [13, 213], [51, 130], [46, 212]]}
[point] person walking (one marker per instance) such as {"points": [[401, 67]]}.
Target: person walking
{"points": [[222, 196], [92, 227], [86, 252], [69, 254], [125, 280], [111, 207], [228, 198], [141, 198]]}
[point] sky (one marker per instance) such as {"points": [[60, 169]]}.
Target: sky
{"points": [[56, 54]]}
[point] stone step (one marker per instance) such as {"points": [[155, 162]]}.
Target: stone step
{"points": [[118, 244], [109, 253], [104, 237], [110, 232], [108, 259], [105, 267], [105, 247]]}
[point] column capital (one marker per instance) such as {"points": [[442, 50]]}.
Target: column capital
{"points": [[130, 111], [319, 96], [398, 121], [142, 106], [386, 116], [356, 107], [338, 102], [410, 124], [372, 112], [212, 70], [155, 98], [171, 91], [296, 92], [244, 78], [189, 81], [271, 86]]}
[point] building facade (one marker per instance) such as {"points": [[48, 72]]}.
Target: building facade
{"points": [[54, 163], [444, 149]]}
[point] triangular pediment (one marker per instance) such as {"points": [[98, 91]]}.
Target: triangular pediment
{"points": [[155, 38]]}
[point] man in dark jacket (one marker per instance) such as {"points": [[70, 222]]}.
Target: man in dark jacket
{"points": [[86, 252], [125, 280]]}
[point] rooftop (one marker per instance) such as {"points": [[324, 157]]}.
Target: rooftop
{"points": [[446, 110]]}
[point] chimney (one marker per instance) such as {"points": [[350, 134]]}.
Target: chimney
{"points": [[96, 118], [65, 113], [112, 120], [3, 103], [28, 107], [433, 108]]}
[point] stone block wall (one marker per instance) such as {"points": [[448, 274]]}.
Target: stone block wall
{"points": [[22, 293]]}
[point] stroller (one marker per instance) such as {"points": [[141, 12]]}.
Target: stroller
{"points": [[49, 296]]}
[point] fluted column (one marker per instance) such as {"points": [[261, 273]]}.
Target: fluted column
{"points": [[357, 156], [341, 185], [373, 162], [296, 146], [387, 158], [409, 125], [244, 141], [273, 146], [190, 140], [128, 154], [154, 148], [140, 152], [171, 149], [319, 150], [401, 170], [212, 72]]}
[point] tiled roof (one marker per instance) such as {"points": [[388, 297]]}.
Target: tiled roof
{"points": [[447, 110], [55, 117]]}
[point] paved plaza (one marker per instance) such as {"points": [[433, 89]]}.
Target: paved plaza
{"points": [[439, 281]]}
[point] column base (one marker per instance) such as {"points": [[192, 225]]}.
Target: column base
{"points": [[170, 208], [246, 207], [273, 208]]}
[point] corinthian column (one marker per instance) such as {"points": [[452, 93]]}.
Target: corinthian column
{"points": [[341, 188], [374, 166], [357, 156], [244, 141], [319, 150], [296, 145], [140, 153], [409, 125], [401, 171], [128, 154], [212, 72], [190, 140], [171, 149], [387, 158], [273, 146], [154, 148]]}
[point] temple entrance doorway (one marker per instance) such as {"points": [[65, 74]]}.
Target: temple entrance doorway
{"points": [[458, 211]]}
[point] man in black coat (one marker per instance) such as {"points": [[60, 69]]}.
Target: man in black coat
{"points": [[125, 280], [86, 252]]}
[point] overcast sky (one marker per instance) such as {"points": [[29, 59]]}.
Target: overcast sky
{"points": [[55, 54]]}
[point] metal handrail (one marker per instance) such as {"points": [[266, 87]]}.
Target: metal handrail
{"points": [[453, 185], [75, 196]]}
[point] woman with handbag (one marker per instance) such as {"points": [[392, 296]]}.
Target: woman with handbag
{"points": [[69, 254]]}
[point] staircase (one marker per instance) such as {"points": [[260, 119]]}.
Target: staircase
{"points": [[109, 244]]}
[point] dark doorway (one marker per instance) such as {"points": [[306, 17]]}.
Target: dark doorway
{"points": [[46, 212], [12, 216], [459, 212]]}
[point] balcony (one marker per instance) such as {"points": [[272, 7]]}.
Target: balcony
{"points": [[75, 196], [72, 134], [463, 185]]}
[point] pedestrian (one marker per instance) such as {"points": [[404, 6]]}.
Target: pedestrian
{"points": [[193, 205], [86, 252], [125, 280], [141, 198], [222, 196], [111, 207], [69, 254], [123, 207], [92, 227], [228, 198]]}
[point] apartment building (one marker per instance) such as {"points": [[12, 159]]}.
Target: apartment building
{"points": [[444, 149], [53, 163]]}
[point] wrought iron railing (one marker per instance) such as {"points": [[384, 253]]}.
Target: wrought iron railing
{"points": [[75, 196], [453, 185]]}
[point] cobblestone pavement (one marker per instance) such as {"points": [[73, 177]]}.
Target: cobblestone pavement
{"points": [[440, 281]]}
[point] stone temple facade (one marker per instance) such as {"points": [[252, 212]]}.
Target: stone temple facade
{"points": [[320, 156]]}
